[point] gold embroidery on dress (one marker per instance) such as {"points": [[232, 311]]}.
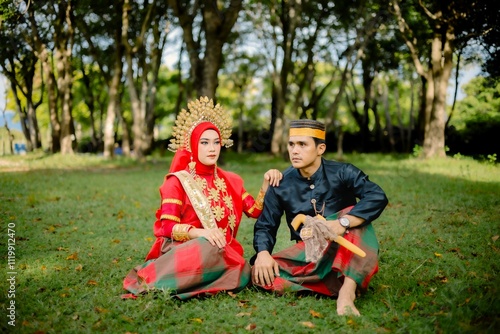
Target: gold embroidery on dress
{"points": [[209, 203], [172, 201], [171, 217], [219, 200]]}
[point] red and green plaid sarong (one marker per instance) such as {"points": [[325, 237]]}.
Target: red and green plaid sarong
{"points": [[326, 276], [189, 269]]}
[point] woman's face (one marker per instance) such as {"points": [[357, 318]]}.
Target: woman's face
{"points": [[209, 147]]}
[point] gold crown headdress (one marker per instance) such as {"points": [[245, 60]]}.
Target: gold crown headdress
{"points": [[200, 110]]}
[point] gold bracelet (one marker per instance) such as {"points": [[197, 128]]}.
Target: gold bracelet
{"points": [[259, 201], [180, 232]]}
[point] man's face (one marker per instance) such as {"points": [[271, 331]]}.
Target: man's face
{"points": [[304, 153]]}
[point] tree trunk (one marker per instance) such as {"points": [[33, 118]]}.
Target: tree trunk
{"points": [[63, 40], [55, 145], [9, 134], [125, 146], [22, 116], [217, 25], [34, 130], [42, 54], [401, 126], [368, 97], [388, 122], [435, 78], [278, 109], [442, 65], [113, 105]]}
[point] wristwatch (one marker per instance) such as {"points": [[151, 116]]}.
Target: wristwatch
{"points": [[344, 222]]}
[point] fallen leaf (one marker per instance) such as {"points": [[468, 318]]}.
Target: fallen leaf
{"points": [[242, 303], [307, 324], [242, 314], [100, 310], [128, 319], [92, 282], [495, 238], [73, 256], [386, 303], [413, 306], [120, 214], [198, 320], [315, 314], [79, 267], [467, 300], [116, 241], [250, 327], [232, 294], [437, 254]]}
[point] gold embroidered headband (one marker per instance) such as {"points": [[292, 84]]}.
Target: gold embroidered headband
{"points": [[307, 127], [200, 110]]}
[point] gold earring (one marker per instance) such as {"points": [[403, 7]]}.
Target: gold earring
{"points": [[192, 167]]}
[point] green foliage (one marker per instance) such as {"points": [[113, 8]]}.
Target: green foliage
{"points": [[417, 151], [83, 222], [476, 123], [481, 104]]}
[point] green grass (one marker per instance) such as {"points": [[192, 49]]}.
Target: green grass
{"points": [[81, 223]]}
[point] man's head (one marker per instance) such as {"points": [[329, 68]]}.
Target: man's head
{"points": [[306, 145]]}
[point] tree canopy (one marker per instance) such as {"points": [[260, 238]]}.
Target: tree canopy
{"points": [[94, 75]]}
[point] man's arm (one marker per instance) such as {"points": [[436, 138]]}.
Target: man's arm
{"points": [[372, 199], [265, 268]]}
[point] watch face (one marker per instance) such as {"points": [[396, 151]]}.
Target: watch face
{"points": [[344, 222]]}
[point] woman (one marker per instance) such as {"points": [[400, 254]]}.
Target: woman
{"points": [[196, 251]]}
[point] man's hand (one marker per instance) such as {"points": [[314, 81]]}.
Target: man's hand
{"points": [[265, 269], [335, 227]]}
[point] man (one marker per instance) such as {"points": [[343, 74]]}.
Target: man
{"points": [[314, 186]]}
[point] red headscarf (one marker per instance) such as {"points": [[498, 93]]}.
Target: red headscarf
{"points": [[183, 157]]}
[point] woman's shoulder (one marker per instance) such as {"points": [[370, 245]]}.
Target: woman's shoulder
{"points": [[171, 180], [233, 177]]}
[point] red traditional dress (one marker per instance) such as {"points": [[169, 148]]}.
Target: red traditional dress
{"points": [[188, 268]]}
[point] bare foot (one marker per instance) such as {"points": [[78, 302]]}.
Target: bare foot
{"points": [[345, 301]]}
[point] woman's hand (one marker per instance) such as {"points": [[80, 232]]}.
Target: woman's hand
{"points": [[213, 235], [271, 177]]}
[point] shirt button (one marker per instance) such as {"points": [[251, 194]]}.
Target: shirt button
{"points": [[311, 186]]}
